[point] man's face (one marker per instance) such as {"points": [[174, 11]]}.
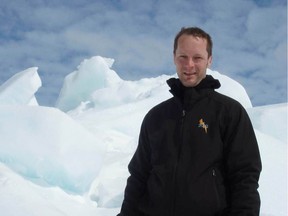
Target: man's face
{"points": [[191, 60]]}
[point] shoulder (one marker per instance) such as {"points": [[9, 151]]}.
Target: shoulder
{"points": [[162, 108], [162, 111], [234, 117], [230, 110], [226, 101]]}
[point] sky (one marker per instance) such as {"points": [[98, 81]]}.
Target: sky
{"points": [[44, 171], [250, 40]]}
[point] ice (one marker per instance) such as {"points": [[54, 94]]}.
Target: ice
{"points": [[21, 88], [72, 159], [96, 85], [92, 74], [47, 146], [265, 120]]}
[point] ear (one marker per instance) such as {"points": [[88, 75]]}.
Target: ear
{"points": [[209, 61], [174, 58]]}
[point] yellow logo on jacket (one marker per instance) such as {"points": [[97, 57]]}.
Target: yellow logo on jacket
{"points": [[203, 125]]}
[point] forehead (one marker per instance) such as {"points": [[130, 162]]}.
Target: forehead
{"points": [[191, 43]]}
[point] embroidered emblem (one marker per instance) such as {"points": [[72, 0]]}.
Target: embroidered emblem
{"points": [[203, 125]]}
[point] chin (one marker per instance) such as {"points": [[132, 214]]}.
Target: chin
{"points": [[189, 84]]}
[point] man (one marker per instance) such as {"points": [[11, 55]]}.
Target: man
{"points": [[197, 152]]}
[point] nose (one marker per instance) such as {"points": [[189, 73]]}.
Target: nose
{"points": [[190, 62]]}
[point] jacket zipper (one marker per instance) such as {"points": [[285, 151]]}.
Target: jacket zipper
{"points": [[214, 176], [176, 165]]}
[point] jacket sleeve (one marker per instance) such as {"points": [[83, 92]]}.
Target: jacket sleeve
{"points": [[242, 163], [139, 168]]}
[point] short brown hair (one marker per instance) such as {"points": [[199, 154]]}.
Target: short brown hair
{"points": [[196, 32]]}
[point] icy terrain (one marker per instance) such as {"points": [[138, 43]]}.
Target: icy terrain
{"points": [[72, 159]]}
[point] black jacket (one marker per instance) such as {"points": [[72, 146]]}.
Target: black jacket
{"points": [[197, 155]]}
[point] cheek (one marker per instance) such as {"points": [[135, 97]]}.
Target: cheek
{"points": [[181, 64], [178, 64]]}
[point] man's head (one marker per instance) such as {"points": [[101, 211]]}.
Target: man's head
{"points": [[192, 55]]}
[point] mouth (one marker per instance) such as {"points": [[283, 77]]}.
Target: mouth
{"points": [[189, 73]]}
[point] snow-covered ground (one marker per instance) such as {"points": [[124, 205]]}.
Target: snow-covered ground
{"points": [[71, 159]]}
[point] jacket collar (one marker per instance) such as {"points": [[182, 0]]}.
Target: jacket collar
{"points": [[189, 95]]}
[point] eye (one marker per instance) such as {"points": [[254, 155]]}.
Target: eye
{"points": [[197, 58], [183, 57]]}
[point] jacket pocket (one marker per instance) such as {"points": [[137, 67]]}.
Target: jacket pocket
{"points": [[206, 194], [219, 189]]}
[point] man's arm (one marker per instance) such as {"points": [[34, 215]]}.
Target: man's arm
{"points": [[243, 165], [139, 168]]}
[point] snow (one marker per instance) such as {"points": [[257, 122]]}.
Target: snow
{"points": [[72, 159]]}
